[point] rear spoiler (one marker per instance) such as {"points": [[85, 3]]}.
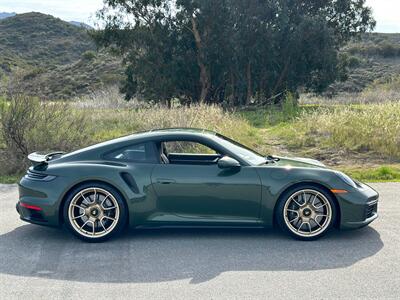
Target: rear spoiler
{"points": [[38, 158]]}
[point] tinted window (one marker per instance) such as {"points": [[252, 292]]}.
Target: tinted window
{"points": [[188, 147], [144, 152]]}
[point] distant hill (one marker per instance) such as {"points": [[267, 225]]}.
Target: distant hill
{"points": [[53, 56], [4, 15], [373, 57], [58, 60], [81, 24]]}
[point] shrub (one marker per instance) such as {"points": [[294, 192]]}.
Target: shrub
{"points": [[89, 55], [354, 61], [27, 125]]}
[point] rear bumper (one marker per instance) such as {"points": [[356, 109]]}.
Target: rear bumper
{"points": [[44, 196], [30, 215]]}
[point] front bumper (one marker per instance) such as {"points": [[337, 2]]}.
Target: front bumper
{"points": [[359, 207]]}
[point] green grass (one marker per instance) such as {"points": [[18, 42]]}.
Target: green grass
{"points": [[9, 179], [378, 174]]}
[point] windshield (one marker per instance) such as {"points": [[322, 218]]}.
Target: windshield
{"points": [[242, 151]]}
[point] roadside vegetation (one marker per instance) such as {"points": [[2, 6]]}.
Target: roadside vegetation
{"points": [[28, 125], [360, 138], [372, 128], [292, 79]]}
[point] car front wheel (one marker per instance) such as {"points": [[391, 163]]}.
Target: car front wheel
{"points": [[94, 213], [306, 212]]}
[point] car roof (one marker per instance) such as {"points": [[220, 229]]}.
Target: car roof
{"points": [[169, 132], [184, 130], [149, 135]]}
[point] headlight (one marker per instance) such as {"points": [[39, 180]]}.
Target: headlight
{"points": [[346, 179]]}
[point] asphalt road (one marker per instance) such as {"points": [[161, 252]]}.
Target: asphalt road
{"points": [[39, 262]]}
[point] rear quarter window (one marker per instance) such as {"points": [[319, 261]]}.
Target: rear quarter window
{"points": [[143, 152]]}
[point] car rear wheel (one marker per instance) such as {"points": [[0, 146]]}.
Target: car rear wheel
{"points": [[306, 212], [95, 212]]}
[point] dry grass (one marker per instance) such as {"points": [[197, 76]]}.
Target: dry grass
{"points": [[114, 123], [104, 99], [378, 92], [361, 128]]}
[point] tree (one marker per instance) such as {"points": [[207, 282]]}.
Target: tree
{"points": [[229, 51]]}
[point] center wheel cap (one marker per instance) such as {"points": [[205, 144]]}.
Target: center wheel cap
{"points": [[307, 212], [94, 212]]}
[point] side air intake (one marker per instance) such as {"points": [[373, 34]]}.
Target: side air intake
{"points": [[130, 182]]}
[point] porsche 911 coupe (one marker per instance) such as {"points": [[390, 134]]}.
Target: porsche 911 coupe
{"points": [[182, 177]]}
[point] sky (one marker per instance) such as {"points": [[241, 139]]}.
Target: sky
{"points": [[386, 12]]}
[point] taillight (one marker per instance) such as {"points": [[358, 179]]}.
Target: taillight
{"points": [[28, 206]]}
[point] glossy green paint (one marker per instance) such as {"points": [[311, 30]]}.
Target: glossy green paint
{"points": [[189, 195]]}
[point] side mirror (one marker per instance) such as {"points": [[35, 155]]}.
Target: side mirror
{"points": [[227, 162]]}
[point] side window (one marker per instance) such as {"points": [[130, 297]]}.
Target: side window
{"points": [[144, 153], [187, 147]]}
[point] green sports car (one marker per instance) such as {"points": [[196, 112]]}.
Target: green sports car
{"points": [[188, 178]]}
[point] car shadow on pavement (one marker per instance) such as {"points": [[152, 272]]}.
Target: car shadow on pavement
{"points": [[159, 255]]}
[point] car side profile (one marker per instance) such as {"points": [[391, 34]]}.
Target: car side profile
{"points": [[182, 177]]}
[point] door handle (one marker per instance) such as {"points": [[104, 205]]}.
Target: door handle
{"points": [[165, 181]]}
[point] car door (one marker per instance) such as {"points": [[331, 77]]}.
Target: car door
{"points": [[196, 190]]}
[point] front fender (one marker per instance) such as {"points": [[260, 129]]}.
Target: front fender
{"points": [[276, 180]]}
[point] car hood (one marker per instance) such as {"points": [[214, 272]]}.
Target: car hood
{"points": [[299, 162]]}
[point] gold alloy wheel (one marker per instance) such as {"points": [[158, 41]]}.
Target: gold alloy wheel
{"points": [[307, 213], [93, 212]]}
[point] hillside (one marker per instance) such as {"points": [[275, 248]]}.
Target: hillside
{"points": [[53, 55], [58, 60], [373, 57], [4, 15]]}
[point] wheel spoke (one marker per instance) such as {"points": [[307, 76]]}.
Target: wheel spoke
{"points": [[302, 223], [109, 208], [313, 201], [94, 196], [315, 221], [77, 217], [292, 210], [80, 207], [294, 200], [102, 202], [87, 221], [102, 225], [84, 198], [94, 227], [320, 216], [304, 198], [309, 226], [107, 217]]}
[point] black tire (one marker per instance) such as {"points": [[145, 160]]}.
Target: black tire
{"points": [[122, 213], [281, 213]]}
